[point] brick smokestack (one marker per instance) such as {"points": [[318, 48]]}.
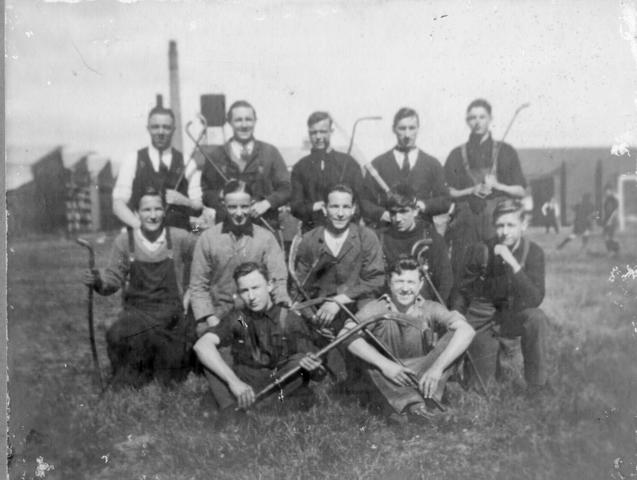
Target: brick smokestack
{"points": [[175, 103]]}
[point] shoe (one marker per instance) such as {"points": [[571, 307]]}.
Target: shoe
{"points": [[397, 419], [420, 413]]}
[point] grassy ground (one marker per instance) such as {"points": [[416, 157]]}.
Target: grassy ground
{"points": [[586, 429]]}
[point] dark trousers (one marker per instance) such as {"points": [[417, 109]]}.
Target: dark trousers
{"points": [[487, 347], [149, 343], [257, 378]]}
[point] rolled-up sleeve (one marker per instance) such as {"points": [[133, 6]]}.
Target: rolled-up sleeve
{"points": [[123, 188]]}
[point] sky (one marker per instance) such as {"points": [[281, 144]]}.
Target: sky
{"points": [[85, 74]]}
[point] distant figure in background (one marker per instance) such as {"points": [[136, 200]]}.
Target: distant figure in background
{"points": [[479, 172], [158, 166], [551, 213], [610, 219], [582, 224], [258, 164], [405, 231], [323, 168], [500, 294], [152, 337], [405, 163]]}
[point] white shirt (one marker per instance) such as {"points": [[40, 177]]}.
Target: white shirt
{"points": [[148, 245], [335, 243], [412, 156], [124, 184], [236, 148]]}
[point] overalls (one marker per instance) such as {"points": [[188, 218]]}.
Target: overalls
{"points": [[149, 339]]}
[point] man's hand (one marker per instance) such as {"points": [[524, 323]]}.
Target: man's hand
{"points": [[385, 217], [325, 315], [310, 362], [420, 205], [319, 206], [243, 393], [173, 197], [398, 374], [90, 278], [259, 208], [505, 254], [211, 321], [429, 382], [186, 301], [481, 190]]}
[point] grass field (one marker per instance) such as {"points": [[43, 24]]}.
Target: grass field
{"points": [[587, 429]]}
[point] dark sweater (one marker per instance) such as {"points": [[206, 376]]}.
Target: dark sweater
{"points": [[497, 283], [396, 243], [427, 179], [310, 182]]}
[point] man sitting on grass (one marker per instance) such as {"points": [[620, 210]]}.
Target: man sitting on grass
{"points": [[424, 363], [151, 336], [266, 339], [501, 290]]}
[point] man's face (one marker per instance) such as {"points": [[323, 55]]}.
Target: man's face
{"points": [[478, 120], [403, 219], [340, 209], [255, 290], [151, 213], [161, 128], [238, 207], [242, 122], [509, 228], [320, 134], [405, 287], [406, 131]]}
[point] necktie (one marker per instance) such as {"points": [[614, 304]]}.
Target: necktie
{"points": [[163, 169], [404, 171], [244, 157]]}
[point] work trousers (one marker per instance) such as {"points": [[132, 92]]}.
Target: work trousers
{"points": [[147, 343], [398, 397], [489, 345], [257, 378]]}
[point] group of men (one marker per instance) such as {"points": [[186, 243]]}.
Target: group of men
{"points": [[370, 253]]}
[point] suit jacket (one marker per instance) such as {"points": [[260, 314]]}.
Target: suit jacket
{"points": [[427, 178]]}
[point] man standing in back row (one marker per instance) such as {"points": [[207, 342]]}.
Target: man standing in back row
{"points": [[407, 164], [479, 172], [323, 168], [160, 167], [258, 164]]}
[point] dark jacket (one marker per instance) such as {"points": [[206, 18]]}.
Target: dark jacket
{"points": [[396, 243], [358, 271], [265, 173], [427, 179], [313, 175], [493, 280]]}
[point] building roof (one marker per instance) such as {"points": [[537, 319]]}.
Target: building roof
{"points": [[21, 159]]}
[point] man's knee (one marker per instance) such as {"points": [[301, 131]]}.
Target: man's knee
{"points": [[534, 320]]}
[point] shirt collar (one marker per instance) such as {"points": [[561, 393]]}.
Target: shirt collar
{"points": [[236, 147], [391, 306], [152, 246]]}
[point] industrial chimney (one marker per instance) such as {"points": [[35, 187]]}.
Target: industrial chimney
{"points": [[175, 103]]}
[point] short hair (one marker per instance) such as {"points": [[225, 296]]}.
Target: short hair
{"points": [[318, 116], [339, 187], [401, 196], [234, 186], [160, 110], [246, 268], [405, 112], [151, 191], [480, 102], [508, 205], [404, 263], [237, 104]]}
